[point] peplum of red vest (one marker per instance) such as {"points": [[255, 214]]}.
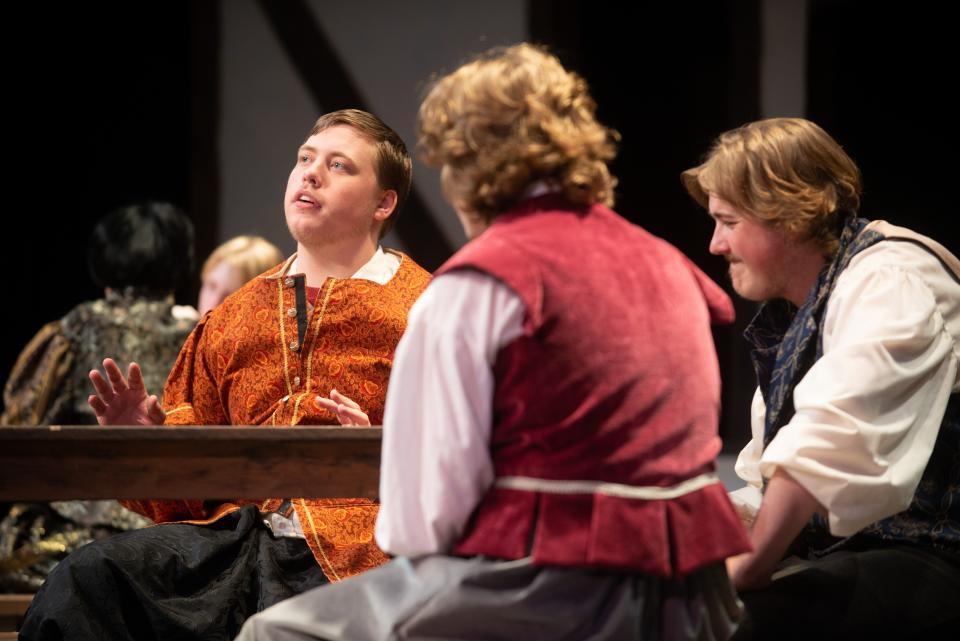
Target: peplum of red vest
{"points": [[606, 409]]}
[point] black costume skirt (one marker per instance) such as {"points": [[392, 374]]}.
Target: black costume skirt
{"points": [[172, 581]]}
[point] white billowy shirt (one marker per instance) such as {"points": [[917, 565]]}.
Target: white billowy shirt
{"points": [[436, 464], [868, 412]]}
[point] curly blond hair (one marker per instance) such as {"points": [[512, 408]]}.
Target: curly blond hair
{"points": [[786, 171], [508, 119]]}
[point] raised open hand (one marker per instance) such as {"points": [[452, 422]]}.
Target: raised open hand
{"points": [[120, 401]]}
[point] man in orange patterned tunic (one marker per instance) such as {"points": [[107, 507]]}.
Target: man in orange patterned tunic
{"points": [[326, 321]]}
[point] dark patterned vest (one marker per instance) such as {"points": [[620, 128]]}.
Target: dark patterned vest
{"points": [[787, 341]]}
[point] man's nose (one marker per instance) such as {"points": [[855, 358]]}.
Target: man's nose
{"points": [[311, 174], [718, 243]]}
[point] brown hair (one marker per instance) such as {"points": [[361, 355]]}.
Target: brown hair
{"points": [[508, 119], [394, 167], [785, 171]]}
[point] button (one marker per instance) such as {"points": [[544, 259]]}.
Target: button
{"points": [[292, 312], [296, 381], [288, 281], [294, 346]]}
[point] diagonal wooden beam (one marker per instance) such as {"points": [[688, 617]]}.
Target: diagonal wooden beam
{"points": [[332, 88]]}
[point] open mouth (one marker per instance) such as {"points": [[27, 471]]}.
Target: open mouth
{"points": [[305, 201]]}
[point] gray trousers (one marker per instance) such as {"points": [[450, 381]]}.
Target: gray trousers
{"points": [[442, 597]]}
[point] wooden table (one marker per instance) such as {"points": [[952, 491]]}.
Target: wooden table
{"points": [[198, 462]]}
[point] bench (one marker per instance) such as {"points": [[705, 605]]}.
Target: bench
{"points": [[12, 607]]}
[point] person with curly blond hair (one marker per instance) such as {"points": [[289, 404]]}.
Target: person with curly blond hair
{"points": [[856, 420], [551, 421]]}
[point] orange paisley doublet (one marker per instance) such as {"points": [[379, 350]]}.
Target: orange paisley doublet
{"points": [[243, 365]]}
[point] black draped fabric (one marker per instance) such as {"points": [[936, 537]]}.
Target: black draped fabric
{"points": [[172, 581], [894, 593]]}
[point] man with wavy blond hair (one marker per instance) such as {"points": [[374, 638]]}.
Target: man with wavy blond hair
{"points": [[855, 456], [551, 424]]}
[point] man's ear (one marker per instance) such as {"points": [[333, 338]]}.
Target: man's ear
{"points": [[388, 202]]}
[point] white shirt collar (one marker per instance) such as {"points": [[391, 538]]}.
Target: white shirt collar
{"points": [[380, 268]]}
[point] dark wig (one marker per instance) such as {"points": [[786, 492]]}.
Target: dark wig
{"points": [[145, 247]]}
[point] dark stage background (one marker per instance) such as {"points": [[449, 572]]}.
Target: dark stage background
{"points": [[114, 104]]}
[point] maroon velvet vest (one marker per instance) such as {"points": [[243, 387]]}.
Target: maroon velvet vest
{"points": [[606, 408]]}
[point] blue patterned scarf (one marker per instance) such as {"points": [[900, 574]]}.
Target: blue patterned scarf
{"points": [[786, 341]]}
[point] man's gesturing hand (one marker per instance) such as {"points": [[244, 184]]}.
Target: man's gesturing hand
{"points": [[123, 402]]}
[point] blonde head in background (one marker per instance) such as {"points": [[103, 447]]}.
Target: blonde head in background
{"points": [[231, 265]]}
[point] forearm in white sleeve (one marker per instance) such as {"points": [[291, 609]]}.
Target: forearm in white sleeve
{"points": [[436, 463]]}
